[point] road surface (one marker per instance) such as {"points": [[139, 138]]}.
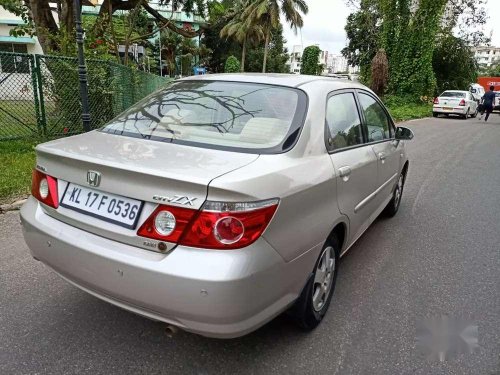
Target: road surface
{"points": [[439, 256]]}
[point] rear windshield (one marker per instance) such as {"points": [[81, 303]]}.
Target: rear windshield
{"points": [[217, 114], [453, 94]]}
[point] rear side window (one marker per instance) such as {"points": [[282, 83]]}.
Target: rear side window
{"points": [[377, 121], [343, 121], [216, 114]]}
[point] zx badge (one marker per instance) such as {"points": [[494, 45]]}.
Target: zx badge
{"points": [[179, 199]]}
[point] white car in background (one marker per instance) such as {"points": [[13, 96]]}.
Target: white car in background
{"points": [[455, 102], [477, 92]]}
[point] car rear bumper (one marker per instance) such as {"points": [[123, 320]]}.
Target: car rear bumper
{"points": [[214, 293], [450, 110]]}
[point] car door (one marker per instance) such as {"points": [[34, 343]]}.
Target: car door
{"points": [[354, 162], [379, 130], [471, 103]]}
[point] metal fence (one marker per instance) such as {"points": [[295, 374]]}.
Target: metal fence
{"points": [[39, 95]]}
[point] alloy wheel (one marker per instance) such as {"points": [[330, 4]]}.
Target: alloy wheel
{"points": [[323, 278]]}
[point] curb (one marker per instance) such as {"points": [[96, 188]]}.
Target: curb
{"points": [[13, 206]]}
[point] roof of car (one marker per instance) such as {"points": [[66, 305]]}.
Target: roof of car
{"points": [[290, 80]]}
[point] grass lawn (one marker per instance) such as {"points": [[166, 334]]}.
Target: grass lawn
{"points": [[17, 159], [404, 112]]}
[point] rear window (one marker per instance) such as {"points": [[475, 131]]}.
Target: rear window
{"points": [[453, 94], [217, 114]]}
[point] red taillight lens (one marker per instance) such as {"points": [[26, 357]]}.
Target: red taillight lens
{"points": [[217, 225], [166, 223], [229, 225], [44, 188], [436, 100], [462, 103]]}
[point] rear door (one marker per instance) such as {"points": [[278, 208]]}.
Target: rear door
{"points": [[379, 132], [354, 161]]}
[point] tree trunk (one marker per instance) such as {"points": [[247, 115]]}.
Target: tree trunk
{"points": [[45, 24], [67, 19], [243, 53], [266, 48]]}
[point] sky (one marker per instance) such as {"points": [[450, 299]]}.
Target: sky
{"points": [[324, 24]]}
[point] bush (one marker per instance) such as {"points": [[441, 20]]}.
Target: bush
{"points": [[232, 65], [310, 61]]}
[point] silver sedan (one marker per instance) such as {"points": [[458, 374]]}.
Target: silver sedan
{"points": [[221, 201]]}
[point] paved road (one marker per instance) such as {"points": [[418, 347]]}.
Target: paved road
{"points": [[439, 255]]}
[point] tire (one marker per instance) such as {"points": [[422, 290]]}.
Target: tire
{"points": [[474, 115], [392, 207], [434, 114], [466, 116], [316, 296]]}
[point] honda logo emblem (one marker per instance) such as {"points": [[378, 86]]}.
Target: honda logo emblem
{"points": [[93, 178]]}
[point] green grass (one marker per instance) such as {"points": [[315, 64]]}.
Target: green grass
{"points": [[404, 109], [410, 112], [17, 159]]}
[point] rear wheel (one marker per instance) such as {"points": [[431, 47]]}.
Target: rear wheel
{"points": [[474, 115], [434, 114], [466, 116], [314, 301], [392, 208]]}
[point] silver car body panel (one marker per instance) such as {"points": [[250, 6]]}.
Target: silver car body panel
{"points": [[224, 293]]}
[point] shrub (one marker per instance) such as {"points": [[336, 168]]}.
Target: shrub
{"points": [[232, 65]]}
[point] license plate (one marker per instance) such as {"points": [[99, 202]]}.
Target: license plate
{"points": [[448, 109], [105, 206]]}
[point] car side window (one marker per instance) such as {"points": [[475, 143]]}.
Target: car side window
{"points": [[343, 121], [377, 122]]}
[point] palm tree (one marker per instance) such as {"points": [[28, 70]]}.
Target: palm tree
{"points": [[267, 13], [242, 31]]}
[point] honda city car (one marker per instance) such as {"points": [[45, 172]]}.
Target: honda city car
{"points": [[220, 201]]}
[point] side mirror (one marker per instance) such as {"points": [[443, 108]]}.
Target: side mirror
{"points": [[404, 134]]}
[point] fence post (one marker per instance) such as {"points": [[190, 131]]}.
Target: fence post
{"points": [[39, 99], [82, 69]]}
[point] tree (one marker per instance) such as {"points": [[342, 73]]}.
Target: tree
{"points": [[242, 31], [310, 60], [40, 16], [454, 64], [232, 65], [380, 72], [267, 13], [362, 29], [277, 57]]}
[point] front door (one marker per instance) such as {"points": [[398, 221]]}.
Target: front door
{"points": [[380, 134], [354, 162]]}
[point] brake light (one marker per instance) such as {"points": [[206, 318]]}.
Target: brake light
{"points": [[166, 223], [44, 188], [436, 100], [218, 225], [462, 103], [229, 225]]}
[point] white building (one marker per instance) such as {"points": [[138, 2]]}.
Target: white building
{"points": [[8, 43], [295, 60], [486, 56]]}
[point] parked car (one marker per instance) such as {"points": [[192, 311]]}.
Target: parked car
{"points": [[496, 106], [455, 102], [220, 201], [477, 91]]}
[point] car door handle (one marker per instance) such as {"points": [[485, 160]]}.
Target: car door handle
{"points": [[345, 172], [382, 156]]}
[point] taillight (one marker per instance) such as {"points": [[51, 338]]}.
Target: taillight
{"points": [[166, 223], [462, 103], [436, 100], [44, 188], [222, 225], [218, 225]]}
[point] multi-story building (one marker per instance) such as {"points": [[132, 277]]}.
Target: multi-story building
{"points": [[295, 60], [8, 43], [486, 56]]}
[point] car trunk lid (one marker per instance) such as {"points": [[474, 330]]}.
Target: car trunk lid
{"points": [[149, 171]]}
